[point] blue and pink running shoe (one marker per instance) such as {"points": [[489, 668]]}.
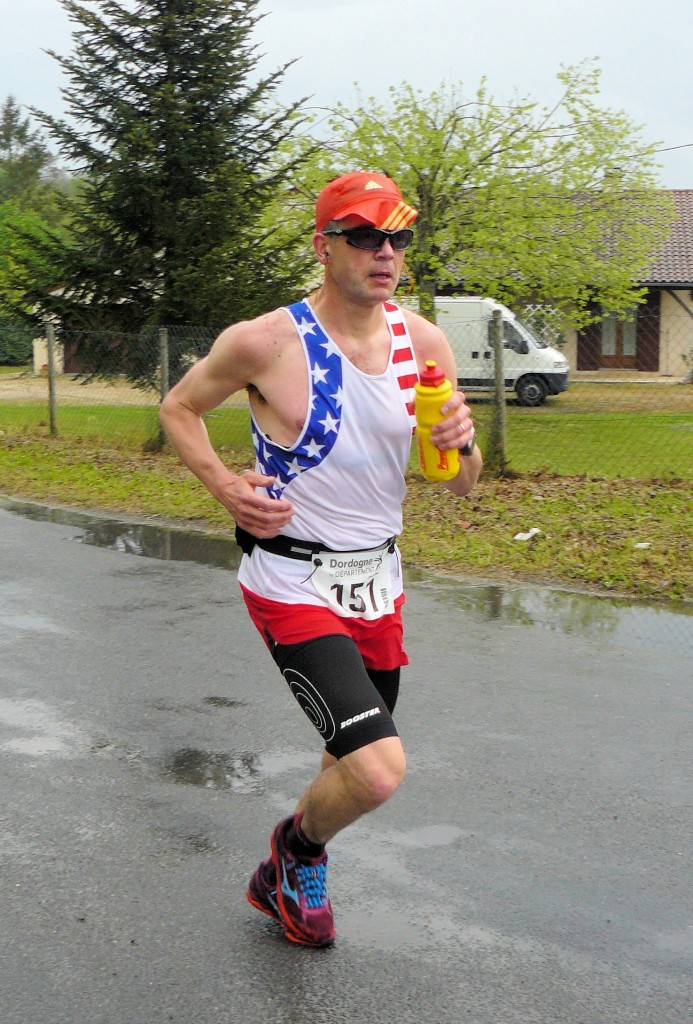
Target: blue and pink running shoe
{"points": [[300, 893], [262, 891]]}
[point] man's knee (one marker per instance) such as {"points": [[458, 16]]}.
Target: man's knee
{"points": [[375, 771]]}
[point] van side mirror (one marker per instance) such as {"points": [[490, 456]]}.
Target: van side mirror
{"points": [[517, 344]]}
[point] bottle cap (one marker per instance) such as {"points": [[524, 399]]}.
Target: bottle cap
{"points": [[432, 375]]}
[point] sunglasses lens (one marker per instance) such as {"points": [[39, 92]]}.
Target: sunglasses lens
{"points": [[402, 239], [365, 238], [372, 239]]}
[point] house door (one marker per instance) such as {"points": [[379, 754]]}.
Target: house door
{"points": [[619, 343]]}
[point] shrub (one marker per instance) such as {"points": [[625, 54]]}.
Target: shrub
{"points": [[16, 344]]}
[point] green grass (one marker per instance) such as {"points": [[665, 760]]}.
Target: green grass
{"points": [[631, 444], [595, 483], [15, 371], [624, 430], [569, 439], [134, 423], [589, 529]]}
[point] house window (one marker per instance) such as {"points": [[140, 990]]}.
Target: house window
{"points": [[619, 336], [609, 335], [619, 340]]}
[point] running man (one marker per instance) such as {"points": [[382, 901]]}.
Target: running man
{"points": [[331, 387]]}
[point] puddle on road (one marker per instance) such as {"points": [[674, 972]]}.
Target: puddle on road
{"points": [[240, 772], [666, 627], [146, 539], [659, 626]]}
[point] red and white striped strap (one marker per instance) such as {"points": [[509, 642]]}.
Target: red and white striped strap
{"points": [[402, 357]]}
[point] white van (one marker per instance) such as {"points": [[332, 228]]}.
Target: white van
{"points": [[532, 369]]}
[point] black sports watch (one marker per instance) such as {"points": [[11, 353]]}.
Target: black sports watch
{"points": [[470, 445]]}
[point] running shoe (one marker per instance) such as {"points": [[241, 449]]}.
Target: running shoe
{"points": [[301, 893], [262, 891]]}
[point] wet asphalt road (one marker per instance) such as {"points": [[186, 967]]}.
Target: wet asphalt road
{"points": [[534, 867]]}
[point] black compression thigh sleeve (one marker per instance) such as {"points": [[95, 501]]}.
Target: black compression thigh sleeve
{"points": [[343, 701]]}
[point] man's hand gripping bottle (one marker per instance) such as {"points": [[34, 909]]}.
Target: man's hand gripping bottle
{"points": [[432, 392]]}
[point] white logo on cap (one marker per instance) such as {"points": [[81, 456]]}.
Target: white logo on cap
{"points": [[372, 184]]}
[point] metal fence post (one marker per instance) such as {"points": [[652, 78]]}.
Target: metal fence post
{"points": [[497, 458], [158, 442], [164, 383], [50, 344]]}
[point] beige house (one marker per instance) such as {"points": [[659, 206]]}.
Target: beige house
{"points": [[658, 339]]}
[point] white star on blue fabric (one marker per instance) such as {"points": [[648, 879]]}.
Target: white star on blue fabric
{"points": [[313, 448], [329, 424], [306, 326], [331, 349], [325, 400]]}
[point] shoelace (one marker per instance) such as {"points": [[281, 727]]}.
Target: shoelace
{"points": [[312, 881]]}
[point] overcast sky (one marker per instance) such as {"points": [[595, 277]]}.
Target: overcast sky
{"points": [[643, 50]]}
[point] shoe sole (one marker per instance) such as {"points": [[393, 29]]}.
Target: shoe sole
{"points": [[292, 936], [263, 907]]}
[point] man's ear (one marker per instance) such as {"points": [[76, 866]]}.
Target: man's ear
{"points": [[320, 246]]}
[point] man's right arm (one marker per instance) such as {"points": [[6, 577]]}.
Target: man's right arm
{"points": [[224, 371]]}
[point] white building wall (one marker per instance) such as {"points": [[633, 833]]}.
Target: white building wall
{"points": [[41, 357], [676, 334]]}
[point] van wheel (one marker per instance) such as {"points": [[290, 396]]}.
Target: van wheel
{"points": [[531, 390]]}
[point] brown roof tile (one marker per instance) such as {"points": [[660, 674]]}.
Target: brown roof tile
{"points": [[673, 264]]}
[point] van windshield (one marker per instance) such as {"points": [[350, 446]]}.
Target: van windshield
{"points": [[539, 342], [513, 338]]}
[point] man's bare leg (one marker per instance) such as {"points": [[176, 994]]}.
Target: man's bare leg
{"points": [[346, 789]]}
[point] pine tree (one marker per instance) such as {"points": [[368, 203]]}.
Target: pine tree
{"points": [[176, 138], [33, 205], [24, 157]]}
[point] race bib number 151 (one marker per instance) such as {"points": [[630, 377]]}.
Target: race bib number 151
{"points": [[355, 584]]}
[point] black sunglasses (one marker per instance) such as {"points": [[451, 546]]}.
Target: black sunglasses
{"points": [[372, 239]]}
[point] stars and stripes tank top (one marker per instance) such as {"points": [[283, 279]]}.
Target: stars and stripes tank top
{"points": [[345, 474]]}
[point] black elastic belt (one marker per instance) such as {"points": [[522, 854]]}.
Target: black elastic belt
{"points": [[291, 547]]}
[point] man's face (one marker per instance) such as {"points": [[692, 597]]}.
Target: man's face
{"points": [[365, 276]]}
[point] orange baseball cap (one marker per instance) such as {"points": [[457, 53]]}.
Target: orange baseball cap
{"points": [[373, 197]]}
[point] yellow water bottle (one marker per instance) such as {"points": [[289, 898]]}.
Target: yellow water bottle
{"points": [[432, 391]]}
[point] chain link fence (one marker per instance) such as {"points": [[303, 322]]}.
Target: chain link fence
{"points": [[609, 422]]}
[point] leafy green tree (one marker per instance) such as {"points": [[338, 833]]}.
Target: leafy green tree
{"points": [[176, 140], [516, 200], [22, 234]]}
